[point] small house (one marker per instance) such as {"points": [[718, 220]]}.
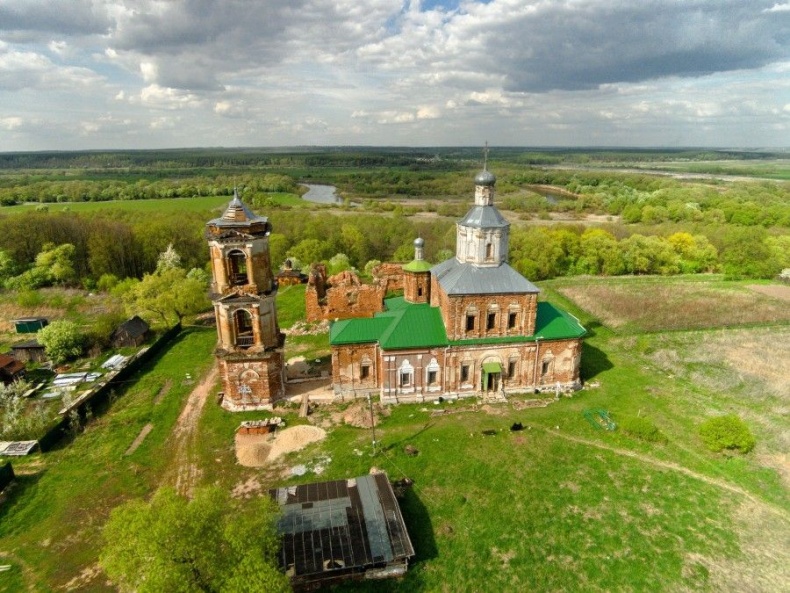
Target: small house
{"points": [[30, 325], [131, 332], [29, 351], [11, 369], [341, 530]]}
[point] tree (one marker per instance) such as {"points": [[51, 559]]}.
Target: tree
{"points": [[168, 259], [210, 543], [62, 340], [170, 294]]}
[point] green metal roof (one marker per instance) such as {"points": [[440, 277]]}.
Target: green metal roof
{"points": [[555, 324], [418, 265], [406, 325], [492, 367]]}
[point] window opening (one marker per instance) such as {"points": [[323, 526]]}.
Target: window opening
{"points": [[491, 322], [511, 320], [470, 322], [237, 262], [464, 373], [243, 322]]}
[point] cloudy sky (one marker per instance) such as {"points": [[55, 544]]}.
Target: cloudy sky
{"points": [[87, 74]]}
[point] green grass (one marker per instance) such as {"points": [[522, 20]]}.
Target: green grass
{"points": [[290, 305], [559, 506], [52, 517]]}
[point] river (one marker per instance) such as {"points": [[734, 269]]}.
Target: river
{"points": [[321, 194]]}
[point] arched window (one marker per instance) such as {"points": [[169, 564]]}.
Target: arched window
{"points": [[237, 268], [243, 325]]}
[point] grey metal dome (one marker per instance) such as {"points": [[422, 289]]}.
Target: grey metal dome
{"points": [[419, 242], [485, 177]]}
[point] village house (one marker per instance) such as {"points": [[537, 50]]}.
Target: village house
{"points": [[471, 326]]}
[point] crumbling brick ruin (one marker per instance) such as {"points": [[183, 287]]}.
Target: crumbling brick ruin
{"points": [[343, 296]]}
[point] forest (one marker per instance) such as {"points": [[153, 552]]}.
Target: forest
{"points": [[573, 212]]}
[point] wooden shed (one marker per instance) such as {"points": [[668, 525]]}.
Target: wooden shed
{"points": [[11, 369], [29, 351], [131, 332], [30, 325]]}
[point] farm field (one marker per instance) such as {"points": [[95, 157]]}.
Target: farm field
{"points": [[562, 505]]}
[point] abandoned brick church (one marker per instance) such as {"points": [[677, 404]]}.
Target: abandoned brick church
{"points": [[470, 326]]}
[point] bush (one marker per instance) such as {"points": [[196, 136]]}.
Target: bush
{"points": [[727, 433], [643, 429], [62, 340]]}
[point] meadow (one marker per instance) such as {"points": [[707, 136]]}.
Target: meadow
{"points": [[559, 506]]}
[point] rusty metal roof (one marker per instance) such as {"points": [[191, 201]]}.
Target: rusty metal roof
{"points": [[337, 529]]}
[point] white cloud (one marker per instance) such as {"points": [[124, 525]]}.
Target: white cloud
{"points": [[10, 123], [391, 72]]}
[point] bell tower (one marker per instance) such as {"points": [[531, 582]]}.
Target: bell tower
{"points": [[249, 342]]}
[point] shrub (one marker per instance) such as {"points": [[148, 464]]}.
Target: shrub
{"points": [[643, 429], [62, 340], [727, 433]]}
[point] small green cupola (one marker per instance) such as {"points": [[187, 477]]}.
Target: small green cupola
{"points": [[417, 276]]}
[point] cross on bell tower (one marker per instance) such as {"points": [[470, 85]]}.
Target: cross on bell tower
{"points": [[249, 342]]}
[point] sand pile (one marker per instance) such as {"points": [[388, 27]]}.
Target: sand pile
{"points": [[252, 450], [255, 450], [295, 438]]}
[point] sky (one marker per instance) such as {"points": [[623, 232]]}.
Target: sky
{"points": [[120, 74]]}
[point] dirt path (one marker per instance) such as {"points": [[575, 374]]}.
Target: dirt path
{"points": [[184, 471], [677, 468]]}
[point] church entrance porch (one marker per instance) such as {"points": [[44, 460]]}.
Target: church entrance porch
{"points": [[492, 375]]}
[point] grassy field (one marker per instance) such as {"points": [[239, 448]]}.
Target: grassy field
{"points": [[559, 506], [653, 303]]}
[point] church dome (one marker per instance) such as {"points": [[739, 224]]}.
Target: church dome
{"points": [[485, 177]]}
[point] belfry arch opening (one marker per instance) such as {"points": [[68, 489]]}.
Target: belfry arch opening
{"points": [[242, 321], [237, 268]]}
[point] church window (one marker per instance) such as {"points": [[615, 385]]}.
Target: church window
{"points": [[364, 371], [470, 322], [544, 369], [491, 321], [432, 373], [419, 291], [511, 320], [406, 375], [489, 251], [511, 368], [464, 373]]}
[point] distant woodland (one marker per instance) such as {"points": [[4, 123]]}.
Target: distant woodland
{"points": [[573, 212]]}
